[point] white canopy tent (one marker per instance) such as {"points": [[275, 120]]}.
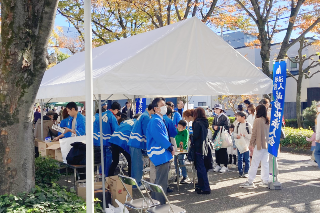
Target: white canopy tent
{"points": [[186, 58]]}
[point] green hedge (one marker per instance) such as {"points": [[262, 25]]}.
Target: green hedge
{"points": [[232, 119], [296, 138], [291, 123], [44, 199], [210, 119]]}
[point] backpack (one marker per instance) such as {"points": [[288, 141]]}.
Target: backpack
{"points": [[247, 128], [77, 154]]}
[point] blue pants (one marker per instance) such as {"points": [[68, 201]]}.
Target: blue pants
{"points": [[202, 174], [136, 164], [317, 154], [107, 156], [180, 158], [246, 157]]}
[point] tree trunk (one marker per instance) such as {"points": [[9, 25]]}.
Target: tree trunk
{"points": [[265, 51], [25, 32], [298, 101]]}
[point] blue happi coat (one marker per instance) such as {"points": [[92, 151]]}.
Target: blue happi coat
{"points": [[138, 134], [109, 125], [172, 130], [64, 123], [158, 141], [121, 136], [80, 126], [176, 117]]}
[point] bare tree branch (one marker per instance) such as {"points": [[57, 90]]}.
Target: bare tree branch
{"points": [[247, 11], [187, 10], [306, 76], [177, 10], [195, 8], [290, 74], [169, 11], [209, 13]]}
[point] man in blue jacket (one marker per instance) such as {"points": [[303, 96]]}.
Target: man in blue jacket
{"points": [[119, 144], [137, 144], [159, 148], [109, 125], [76, 123], [176, 117]]}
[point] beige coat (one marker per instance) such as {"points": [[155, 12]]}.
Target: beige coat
{"points": [[47, 124], [260, 134]]}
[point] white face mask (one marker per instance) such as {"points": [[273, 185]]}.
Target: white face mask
{"points": [[163, 110]]}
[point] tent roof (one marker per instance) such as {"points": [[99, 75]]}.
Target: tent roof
{"points": [[185, 58]]}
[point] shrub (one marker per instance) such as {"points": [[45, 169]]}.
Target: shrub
{"points": [[291, 123], [309, 115], [210, 120], [44, 199], [46, 170], [296, 138], [232, 119]]}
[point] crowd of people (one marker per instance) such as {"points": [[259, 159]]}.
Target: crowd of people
{"points": [[162, 130]]}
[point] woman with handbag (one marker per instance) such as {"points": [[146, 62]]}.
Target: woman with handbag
{"points": [[259, 140], [200, 131], [220, 124]]}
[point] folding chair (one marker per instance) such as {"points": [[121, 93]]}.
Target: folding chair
{"points": [[138, 204], [165, 208]]}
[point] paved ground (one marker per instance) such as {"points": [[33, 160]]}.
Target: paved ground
{"points": [[300, 193]]}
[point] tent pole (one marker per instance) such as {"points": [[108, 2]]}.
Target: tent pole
{"points": [[41, 108], [89, 107], [102, 158]]}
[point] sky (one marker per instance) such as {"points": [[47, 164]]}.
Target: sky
{"points": [[63, 22]]}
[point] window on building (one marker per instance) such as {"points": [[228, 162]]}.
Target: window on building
{"points": [[293, 64], [202, 103]]}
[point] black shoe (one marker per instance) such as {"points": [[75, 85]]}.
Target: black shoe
{"points": [[204, 192], [169, 190], [197, 189]]}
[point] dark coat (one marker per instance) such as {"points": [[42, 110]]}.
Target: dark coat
{"points": [[200, 132], [222, 121], [125, 109]]}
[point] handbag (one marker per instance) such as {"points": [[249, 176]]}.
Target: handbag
{"points": [[218, 141], [241, 144]]}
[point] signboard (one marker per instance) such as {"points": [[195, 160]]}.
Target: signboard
{"points": [[279, 85], [141, 105]]}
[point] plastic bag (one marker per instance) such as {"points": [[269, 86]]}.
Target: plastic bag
{"points": [[241, 144]]}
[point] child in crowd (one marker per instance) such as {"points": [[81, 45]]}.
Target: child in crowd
{"points": [[313, 146], [243, 129], [182, 142], [232, 150]]}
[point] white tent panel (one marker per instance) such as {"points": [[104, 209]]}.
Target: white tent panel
{"points": [[186, 58]]}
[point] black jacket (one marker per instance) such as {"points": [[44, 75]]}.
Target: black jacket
{"points": [[222, 121], [125, 109], [200, 132]]}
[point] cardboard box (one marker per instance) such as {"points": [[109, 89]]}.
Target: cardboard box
{"points": [[117, 190], [54, 152], [81, 187], [42, 146]]}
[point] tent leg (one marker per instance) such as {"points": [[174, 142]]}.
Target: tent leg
{"points": [[41, 108], [89, 107], [102, 159]]}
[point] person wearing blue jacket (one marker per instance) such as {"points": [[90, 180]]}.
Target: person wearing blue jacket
{"points": [[76, 122], [119, 144], [138, 143], [176, 117], [159, 148], [109, 125]]}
